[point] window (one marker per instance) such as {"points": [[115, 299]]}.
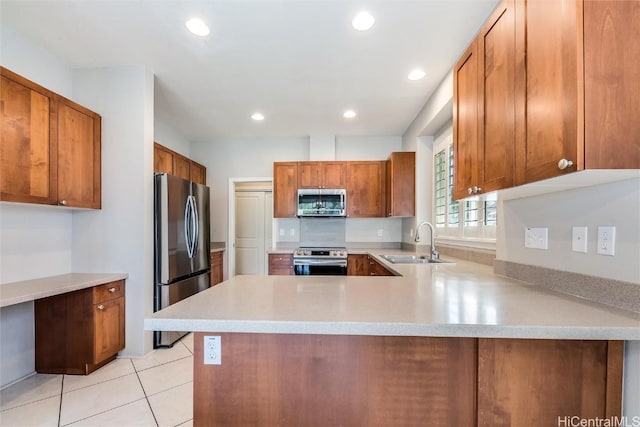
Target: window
{"points": [[467, 220]]}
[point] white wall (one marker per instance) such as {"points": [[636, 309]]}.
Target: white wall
{"points": [[366, 147], [36, 240], [165, 134], [616, 204], [238, 158], [119, 237], [419, 136]]}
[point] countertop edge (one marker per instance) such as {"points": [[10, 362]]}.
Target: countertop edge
{"points": [[31, 290], [396, 329]]}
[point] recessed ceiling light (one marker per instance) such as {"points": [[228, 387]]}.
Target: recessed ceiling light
{"points": [[197, 27], [416, 74], [363, 21], [257, 117], [349, 114]]}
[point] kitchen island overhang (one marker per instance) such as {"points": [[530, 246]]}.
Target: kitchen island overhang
{"points": [[426, 346]]}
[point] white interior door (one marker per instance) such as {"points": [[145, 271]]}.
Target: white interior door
{"points": [[254, 211]]}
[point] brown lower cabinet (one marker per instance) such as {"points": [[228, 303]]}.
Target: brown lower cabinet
{"points": [[217, 271], [321, 380], [78, 332], [281, 264], [365, 265]]}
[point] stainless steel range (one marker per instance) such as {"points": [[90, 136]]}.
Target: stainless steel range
{"points": [[320, 261]]}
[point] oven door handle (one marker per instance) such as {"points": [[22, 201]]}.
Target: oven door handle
{"points": [[327, 262]]}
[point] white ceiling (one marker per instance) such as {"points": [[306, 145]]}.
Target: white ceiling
{"points": [[299, 62]]}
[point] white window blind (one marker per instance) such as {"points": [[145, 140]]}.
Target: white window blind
{"points": [[467, 220]]}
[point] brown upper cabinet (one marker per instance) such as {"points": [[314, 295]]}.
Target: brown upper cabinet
{"points": [[547, 88], [366, 189], [375, 189], [322, 174], [580, 87], [401, 184], [51, 147], [484, 108], [285, 190], [166, 160]]}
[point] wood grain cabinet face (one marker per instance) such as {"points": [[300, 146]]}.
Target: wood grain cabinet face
{"points": [[366, 189], [281, 264], [162, 159], [217, 272], [322, 174], [546, 89], [197, 173], [51, 147], [357, 265], [484, 108], [79, 169], [168, 161], [26, 173], [80, 331], [401, 184], [285, 189]]}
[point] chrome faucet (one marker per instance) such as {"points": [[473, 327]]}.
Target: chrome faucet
{"points": [[434, 253]]}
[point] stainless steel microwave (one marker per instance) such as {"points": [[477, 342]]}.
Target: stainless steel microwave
{"points": [[322, 202]]}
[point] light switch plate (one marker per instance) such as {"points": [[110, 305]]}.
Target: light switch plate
{"points": [[579, 239], [606, 240], [536, 237]]}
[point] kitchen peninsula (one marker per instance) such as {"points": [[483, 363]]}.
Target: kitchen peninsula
{"points": [[446, 344]]}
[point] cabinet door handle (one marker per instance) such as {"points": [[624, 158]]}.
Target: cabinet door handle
{"points": [[63, 202], [564, 163], [476, 190], [101, 307], [112, 290], [470, 190]]}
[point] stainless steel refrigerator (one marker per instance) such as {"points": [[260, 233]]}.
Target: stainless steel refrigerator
{"points": [[182, 245]]}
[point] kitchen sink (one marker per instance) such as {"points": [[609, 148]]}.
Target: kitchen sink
{"points": [[413, 259]]}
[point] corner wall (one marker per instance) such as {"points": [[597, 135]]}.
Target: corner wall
{"points": [[119, 237]]}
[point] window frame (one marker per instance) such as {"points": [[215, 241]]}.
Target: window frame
{"points": [[479, 234]]}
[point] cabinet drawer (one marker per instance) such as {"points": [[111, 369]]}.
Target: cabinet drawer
{"points": [[108, 291]]}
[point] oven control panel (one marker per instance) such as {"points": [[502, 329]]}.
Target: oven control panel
{"points": [[321, 252]]}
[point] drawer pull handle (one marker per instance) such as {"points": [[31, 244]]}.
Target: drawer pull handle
{"points": [[112, 290], [101, 307]]}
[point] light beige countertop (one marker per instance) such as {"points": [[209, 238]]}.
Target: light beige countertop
{"points": [[462, 299], [30, 290]]}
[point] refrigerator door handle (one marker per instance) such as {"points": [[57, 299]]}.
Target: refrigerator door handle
{"points": [[196, 225], [188, 221]]}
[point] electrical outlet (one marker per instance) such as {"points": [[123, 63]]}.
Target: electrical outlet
{"points": [[292, 232], [579, 239], [282, 232], [380, 232], [606, 240], [536, 237], [213, 350]]}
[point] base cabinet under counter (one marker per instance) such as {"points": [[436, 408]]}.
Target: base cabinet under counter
{"points": [[281, 264], [318, 380], [78, 332]]}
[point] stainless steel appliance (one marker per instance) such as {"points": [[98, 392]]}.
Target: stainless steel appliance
{"points": [[320, 262], [182, 245], [322, 202]]}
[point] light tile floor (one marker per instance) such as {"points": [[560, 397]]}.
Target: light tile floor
{"points": [[154, 391]]}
